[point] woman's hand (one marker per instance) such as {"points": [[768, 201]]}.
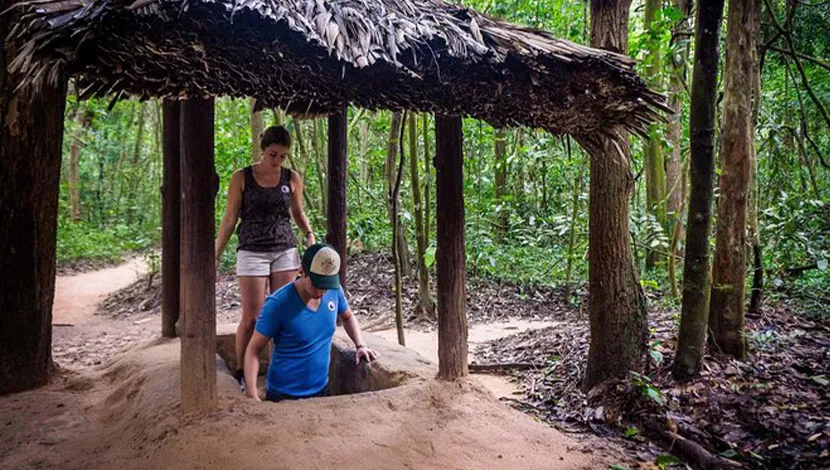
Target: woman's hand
{"points": [[363, 352], [309, 239]]}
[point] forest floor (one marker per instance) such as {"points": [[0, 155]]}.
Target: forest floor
{"points": [[770, 411], [112, 402]]}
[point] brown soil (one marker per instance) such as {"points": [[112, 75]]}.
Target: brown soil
{"points": [[109, 409]]}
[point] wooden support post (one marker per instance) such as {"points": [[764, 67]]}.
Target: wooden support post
{"points": [[31, 129], [450, 257], [199, 185], [338, 165], [171, 194]]}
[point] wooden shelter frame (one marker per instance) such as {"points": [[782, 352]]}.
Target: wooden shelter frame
{"points": [[479, 52]]}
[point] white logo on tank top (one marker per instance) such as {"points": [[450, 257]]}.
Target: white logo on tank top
{"points": [[285, 189]]}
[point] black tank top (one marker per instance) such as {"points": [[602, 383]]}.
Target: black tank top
{"points": [[266, 216]]}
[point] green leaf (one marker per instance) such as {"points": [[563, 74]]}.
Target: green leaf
{"points": [[729, 454], [666, 461], [657, 356], [429, 256], [631, 432], [821, 380], [617, 466], [654, 394], [822, 264]]}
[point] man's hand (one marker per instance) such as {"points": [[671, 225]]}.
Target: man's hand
{"points": [[365, 353], [252, 393]]}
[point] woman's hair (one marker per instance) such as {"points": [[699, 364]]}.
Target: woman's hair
{"points": [[275, 135]]}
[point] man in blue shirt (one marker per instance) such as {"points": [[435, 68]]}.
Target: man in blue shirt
{"points": [[301, 318]]}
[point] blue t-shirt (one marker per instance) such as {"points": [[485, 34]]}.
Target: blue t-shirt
{"points": [[302, 340]]}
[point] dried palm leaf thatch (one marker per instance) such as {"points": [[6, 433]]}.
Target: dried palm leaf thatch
{"points": [[311, 56]]}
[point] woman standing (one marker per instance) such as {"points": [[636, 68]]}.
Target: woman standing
{"points": [[265, 196]]}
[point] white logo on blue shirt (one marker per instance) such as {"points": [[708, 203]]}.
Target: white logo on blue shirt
{"points": [[331, 305]]}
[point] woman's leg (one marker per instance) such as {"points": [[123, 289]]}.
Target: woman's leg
{"points": [[252, 291], [281, 278]]}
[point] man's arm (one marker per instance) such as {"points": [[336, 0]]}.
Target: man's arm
{"points": [[258, 341], [352, 328]]}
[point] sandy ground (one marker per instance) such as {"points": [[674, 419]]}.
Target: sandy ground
{"points": [[77, 296], [108, 409]]}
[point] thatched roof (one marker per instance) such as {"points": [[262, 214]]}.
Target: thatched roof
{"points": [[315, 55]]}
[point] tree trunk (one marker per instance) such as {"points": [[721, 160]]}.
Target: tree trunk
{"points": [[675, 176], [450, 256], [198, 287], [171, 195], [82, 118], [389, 171], [31, 129], [616, 304], [302, 162], [139, 137], [338, 166], [396, 245], [726, 317], [756, 298], [655, 169], [321, 178], [696, 267], [257, 127], [572, 229], [425, 306], [427, 172], [500, 151]]}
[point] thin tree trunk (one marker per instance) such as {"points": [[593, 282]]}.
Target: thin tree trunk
{"points": [[302, 162], [396, 244], [31, 129], [257, 127], [726, 317], [427, 173], [616, 305], [675, 176], [655, 169], [696, 271], [318, 157], [756, 298], [677, 235], [82, 118], [426, 306], [139, 137], [391, 153], [572, 229], [500, 151]]}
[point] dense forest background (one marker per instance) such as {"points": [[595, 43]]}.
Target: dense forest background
{"points": [[526, 191]]}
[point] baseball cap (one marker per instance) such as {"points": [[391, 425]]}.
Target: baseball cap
{"points": [[322, 264]]}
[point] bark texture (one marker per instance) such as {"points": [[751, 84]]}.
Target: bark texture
{"points": [[198, 287], [696, 267], [726, 317], [31, 129], [616, 304], [338, 165], [450, 256]]}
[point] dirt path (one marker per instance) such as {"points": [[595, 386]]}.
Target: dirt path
{"points": [[77, 296]]}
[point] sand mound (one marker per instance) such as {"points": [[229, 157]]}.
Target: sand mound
{"points": [[126, 416]]}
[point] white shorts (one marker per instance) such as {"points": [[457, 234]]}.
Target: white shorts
{"points": [[262, 264]]}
